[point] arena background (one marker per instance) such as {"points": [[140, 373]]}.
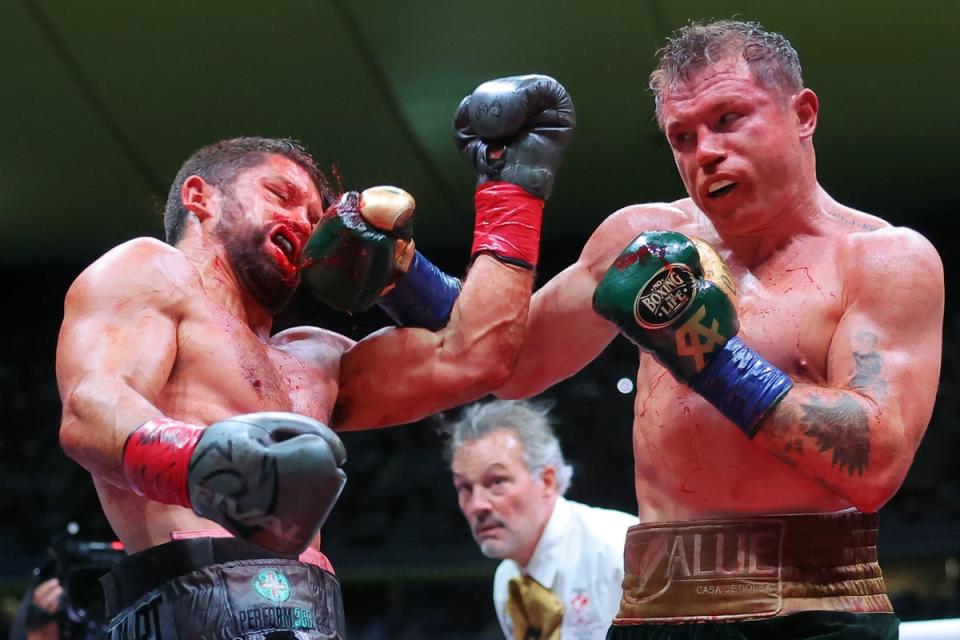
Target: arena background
{"points": [[101, 101]]}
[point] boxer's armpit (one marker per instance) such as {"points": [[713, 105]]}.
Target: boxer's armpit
{"points": [[841, 427]]}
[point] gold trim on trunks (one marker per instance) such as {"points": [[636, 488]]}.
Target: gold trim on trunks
{"points": [[751, 568]]}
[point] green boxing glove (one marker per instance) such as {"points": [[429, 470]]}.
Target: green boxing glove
{"points": [[674, 297], [359, 250], [363, 254]]}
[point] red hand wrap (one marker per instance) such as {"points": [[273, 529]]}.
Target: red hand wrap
{"points": [[508, 223], [156, 459]]}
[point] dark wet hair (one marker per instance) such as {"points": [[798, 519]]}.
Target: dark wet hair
{"points": [[221, 162]]}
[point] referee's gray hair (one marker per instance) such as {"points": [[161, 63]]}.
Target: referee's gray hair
{"points": [[532, 424]]}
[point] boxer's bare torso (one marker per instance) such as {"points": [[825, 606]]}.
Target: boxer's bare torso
{"points": [[849, 307], [221, 367], [805, 310], [690, 463]]}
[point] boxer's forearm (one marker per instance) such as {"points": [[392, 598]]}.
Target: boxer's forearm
{"points": [[98, 415], [844, 440], [403, 375]]}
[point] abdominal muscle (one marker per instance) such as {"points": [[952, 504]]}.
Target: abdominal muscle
{"points": [[692, 463], [204, 395], [140, 523]]}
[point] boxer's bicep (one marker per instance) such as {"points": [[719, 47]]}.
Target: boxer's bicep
{"points": [[857, 433], [116, 350], [563, 333], [887, 345], [404, 374]]}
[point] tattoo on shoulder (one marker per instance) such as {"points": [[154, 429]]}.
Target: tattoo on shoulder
{"points": [[868, 374], [841, 427]]}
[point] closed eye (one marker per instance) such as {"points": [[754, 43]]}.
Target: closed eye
{"points": [[279, 194], [728, 119]]}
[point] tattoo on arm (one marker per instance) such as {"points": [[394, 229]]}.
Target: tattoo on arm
{"points": [[868, 365], [841, 426], [786, 430]]}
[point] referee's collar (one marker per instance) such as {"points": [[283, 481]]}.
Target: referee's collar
{"points": [[545, 561]]}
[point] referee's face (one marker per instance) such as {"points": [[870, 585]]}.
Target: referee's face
{"points": [[506, 507]]}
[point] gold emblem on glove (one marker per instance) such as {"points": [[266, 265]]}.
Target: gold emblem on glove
{"points": [[715, 269]]}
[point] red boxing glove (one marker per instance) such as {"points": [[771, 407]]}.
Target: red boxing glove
{"points": [[508, 223], [156, 459]]}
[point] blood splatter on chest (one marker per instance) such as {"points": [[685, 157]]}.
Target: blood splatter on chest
{"points": [[790, 315], [686, 452], [223, 368]]}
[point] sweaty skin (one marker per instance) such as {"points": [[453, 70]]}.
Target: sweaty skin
{"points": [[848, 306], [150, 329]]}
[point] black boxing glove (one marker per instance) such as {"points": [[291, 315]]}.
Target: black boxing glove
{"points": [[514, 132], [270, 478]]}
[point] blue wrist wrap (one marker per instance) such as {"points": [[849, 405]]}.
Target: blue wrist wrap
{"points": [[423, 297], [742, 385]]}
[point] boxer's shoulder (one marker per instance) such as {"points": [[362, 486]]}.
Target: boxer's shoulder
{"points": [[886, 244], [140, 266], [625, 224], [141, 250], [892, 258], [656, 215]]}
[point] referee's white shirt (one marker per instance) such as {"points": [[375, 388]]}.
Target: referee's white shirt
{"points": [[579, 558]]}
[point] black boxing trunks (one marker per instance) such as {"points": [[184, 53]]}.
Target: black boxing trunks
{"points": [[750, 573], [223, 589]]}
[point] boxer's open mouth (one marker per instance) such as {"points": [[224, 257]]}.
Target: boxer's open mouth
{"points": [[720, 188], [287, 243], [284, 245]]}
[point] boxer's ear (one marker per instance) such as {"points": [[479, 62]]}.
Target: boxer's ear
{"points": [[195, 195], [806, 106]]}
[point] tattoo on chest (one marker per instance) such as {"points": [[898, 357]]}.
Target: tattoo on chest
{"points": [[842, 427], [868, 374]]}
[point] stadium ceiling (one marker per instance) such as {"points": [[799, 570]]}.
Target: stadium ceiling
{"points": [[103, 100]]}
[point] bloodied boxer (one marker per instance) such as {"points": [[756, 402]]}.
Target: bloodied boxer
{"points": [[206, 434], [789, 358]]}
